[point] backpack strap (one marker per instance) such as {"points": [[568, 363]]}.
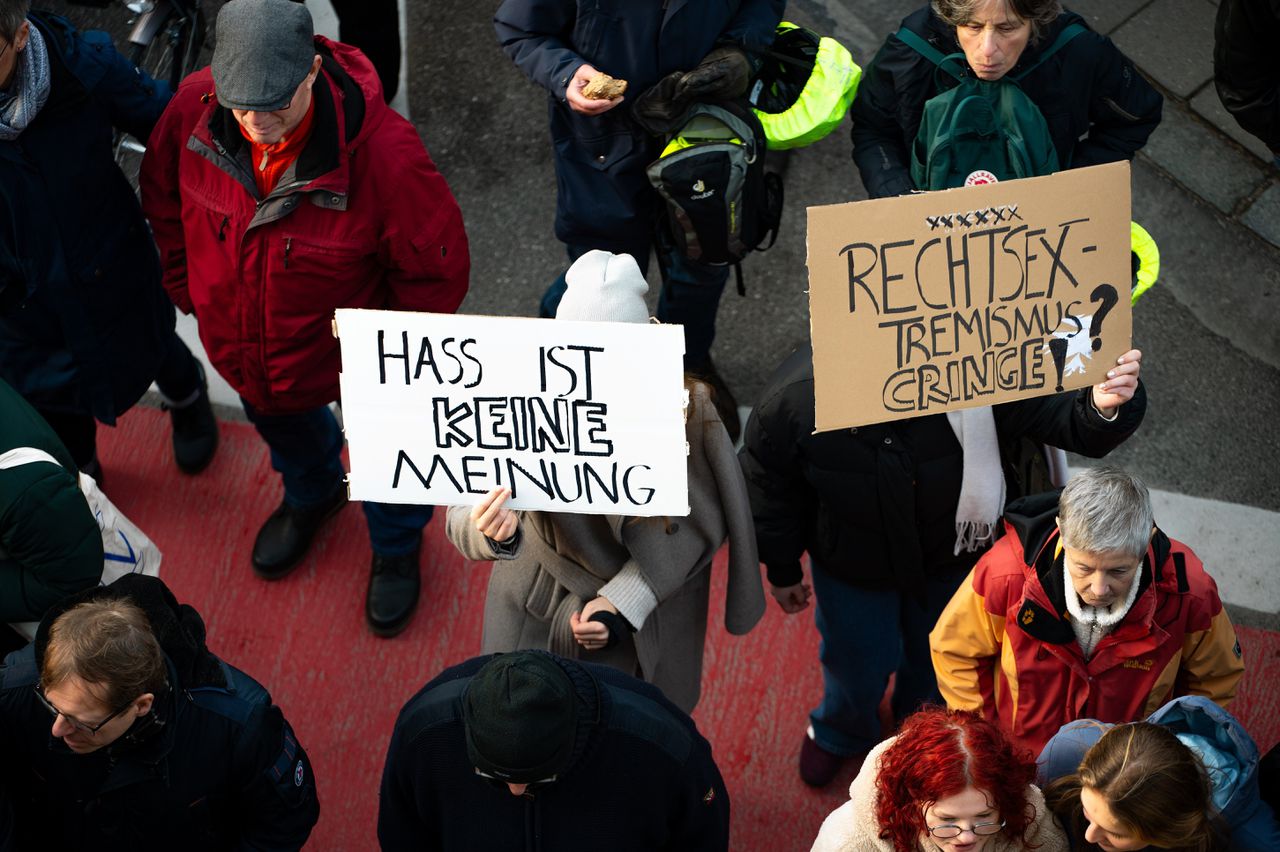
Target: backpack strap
{"points": [[19, 456], [931, 53], [1060, 42]]}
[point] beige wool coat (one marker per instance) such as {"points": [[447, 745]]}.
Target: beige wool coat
{"points": [[654, 570], [852, 827]]}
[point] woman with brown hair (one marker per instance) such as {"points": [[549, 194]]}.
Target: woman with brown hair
{"points": [[1185, 779]]}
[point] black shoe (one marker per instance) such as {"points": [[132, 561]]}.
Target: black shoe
{"points": [[818, 767], [394, 584], [285, 537], [726, 405], [195, 430]]}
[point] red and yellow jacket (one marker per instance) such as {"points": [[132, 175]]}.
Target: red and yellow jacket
{"points": [[1004, 645]]}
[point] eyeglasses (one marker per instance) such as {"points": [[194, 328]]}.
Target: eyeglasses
{"points": [[504, 782], [982, 829], [73, 722]]}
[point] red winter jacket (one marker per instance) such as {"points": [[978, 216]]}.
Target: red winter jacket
{"points": [[361, 219], [1004, 645]]}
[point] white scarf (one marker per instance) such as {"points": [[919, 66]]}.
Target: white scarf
{"points": [[28, 90], [1092, 623], [982, 486]]}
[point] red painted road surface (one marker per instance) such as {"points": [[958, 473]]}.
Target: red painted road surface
{"points": [[304, 637]]}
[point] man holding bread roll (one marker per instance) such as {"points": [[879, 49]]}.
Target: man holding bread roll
{"points": [[593, 57]]}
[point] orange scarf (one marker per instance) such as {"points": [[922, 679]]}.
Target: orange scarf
{"points": [[270, 161]]}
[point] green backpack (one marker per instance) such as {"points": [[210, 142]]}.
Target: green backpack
{"points": [[980, 131]]}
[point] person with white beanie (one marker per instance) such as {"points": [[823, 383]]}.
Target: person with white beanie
{"points": [[626, 591]]}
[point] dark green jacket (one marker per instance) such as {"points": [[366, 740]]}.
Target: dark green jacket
{"points": [[50, 545]]}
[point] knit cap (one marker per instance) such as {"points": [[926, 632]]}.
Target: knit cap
{"points": [[521, 719], [263, 53], [604, 287]]}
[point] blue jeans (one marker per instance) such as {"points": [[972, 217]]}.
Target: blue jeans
{"points": [[690, 298], [306, 450], [867, 635]]}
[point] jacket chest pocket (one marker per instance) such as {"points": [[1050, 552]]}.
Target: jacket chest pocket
{"points": [[322, 273], [592, 28]]}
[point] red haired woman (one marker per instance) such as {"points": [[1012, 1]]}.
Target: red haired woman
{"points": [[948, 782]]}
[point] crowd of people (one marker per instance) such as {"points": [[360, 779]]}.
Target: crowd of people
{"points": [[1062, 668]]}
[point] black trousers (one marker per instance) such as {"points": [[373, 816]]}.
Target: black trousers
{"points": [[374, 27]]}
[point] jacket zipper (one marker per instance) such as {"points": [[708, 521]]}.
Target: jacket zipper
{"points": [[288, 244], [222, 229]]}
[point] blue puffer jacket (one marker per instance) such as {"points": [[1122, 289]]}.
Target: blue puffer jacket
{"points": [[1223, 746], [604, 199], [84, 321]]}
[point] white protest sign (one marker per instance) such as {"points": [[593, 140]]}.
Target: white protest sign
{"points": [[571, 416]]}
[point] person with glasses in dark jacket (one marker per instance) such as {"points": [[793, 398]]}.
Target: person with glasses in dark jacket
{"points": [[528, 750], [121, 731]]}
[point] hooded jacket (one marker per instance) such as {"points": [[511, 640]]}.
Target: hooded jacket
{"points": [[361, 219], [1097, 106], [641, 778], [604, 199], [1228, 753], [875, 506], [84, 322], [213, 766], [1004, 645]]}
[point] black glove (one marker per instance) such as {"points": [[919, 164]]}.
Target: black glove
{"points": [[724, 74], [660, 108]]}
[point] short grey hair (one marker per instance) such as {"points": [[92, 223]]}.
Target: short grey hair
{"points": [[1105, 509], [12, 14], [1040, 13]]}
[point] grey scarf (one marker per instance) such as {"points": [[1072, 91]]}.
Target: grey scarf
{"points": [[29, 89]]}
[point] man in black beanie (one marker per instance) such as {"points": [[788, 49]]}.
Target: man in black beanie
{"points": [[528, 750]]}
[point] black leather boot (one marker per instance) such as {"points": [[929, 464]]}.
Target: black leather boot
{"points": [[195, 430], [287, 534], [394, 586]]}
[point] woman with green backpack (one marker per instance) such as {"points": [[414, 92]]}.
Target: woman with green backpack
{"points": [[1079, 101]]}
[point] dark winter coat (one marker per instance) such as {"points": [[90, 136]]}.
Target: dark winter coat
{"points": [[875, 505], [1245, 69], [604, 200], [50, 545], [213, 766], [1098, 108], [84, 322], [361, 219], [642, 779]]}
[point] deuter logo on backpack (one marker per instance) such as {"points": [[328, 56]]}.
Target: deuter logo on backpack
{"points": [[720, 202]]}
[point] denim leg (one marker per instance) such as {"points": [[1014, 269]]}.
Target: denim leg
{"points": [[860, 648], [551, 299], [178, 377], [916, 683], [395, 528], [691, 298], [306, 450]]}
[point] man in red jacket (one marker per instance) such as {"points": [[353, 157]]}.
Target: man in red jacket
{"points": [[1083, 610], [280, 187]]}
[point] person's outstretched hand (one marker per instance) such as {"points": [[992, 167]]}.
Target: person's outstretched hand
{"points": [[580, 103], [1120, 386], [492, 517]]}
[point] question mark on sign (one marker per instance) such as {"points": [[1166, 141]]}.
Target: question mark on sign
{"points": [[1106, 294]]}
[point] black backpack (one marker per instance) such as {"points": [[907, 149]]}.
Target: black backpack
{"points": [[720, 201]]}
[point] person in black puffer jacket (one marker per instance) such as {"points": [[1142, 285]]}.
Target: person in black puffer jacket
{"points": [[879, 509]]}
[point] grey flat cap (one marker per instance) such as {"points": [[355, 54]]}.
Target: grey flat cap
{"points": [[264, 51]]}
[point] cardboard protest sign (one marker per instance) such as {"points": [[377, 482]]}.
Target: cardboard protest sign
{"points": [[571, 416], [968, 297]]}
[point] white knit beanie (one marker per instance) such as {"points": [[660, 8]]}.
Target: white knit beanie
{"points": [[606, 288]]}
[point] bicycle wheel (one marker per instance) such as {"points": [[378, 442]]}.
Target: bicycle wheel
{"points": [[170, 55]]}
